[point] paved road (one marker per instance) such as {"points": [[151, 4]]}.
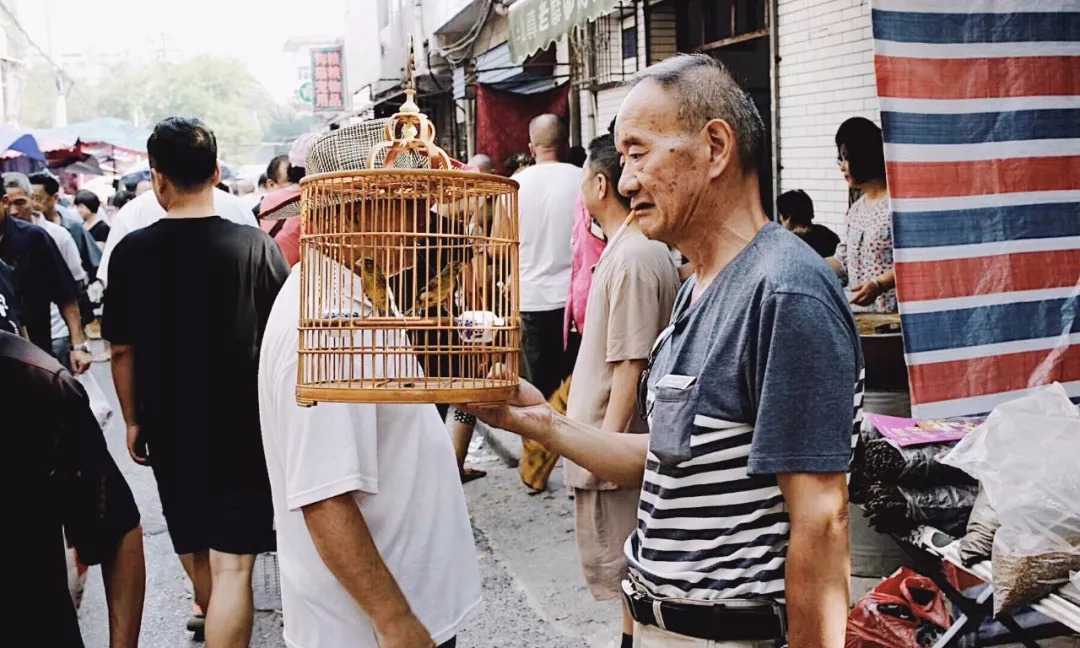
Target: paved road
{"points": [[533, 591]]}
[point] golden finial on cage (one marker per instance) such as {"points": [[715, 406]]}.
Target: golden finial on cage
{"points": [[409, 129]]}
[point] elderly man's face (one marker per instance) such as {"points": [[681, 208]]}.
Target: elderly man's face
{"points": [[19, 204], [664, 164]]}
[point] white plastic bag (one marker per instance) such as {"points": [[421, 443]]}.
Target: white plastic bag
{"points": [[99, 404], [1025, 456]]}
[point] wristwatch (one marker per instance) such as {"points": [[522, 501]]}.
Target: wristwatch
{"points": [[84, 347]]}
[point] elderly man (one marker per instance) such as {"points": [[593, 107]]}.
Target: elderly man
{"points": [[45, 196], [47, 270], [742, 523]]}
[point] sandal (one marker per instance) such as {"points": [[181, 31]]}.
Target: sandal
{"points": [[470, 474], [197, 623]]}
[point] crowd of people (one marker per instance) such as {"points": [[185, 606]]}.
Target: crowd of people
{"points": [[705, 408]]}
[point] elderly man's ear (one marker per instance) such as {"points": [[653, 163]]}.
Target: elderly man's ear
{"points": [[722, 145]]}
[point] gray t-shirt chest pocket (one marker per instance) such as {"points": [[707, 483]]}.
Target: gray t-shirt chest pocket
{"points": [[672, 423]]}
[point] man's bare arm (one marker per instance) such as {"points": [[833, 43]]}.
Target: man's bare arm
{"points": [[70, 313], [622, 401], [80, 360], [123, 371], [818, 559], [344, 543], [617, 458], [124, 574]]}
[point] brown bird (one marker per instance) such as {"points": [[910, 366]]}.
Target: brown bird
{"points": [[439, 289], [373, 281]]}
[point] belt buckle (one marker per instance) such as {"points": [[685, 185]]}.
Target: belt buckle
{"points": [[636, 596]]}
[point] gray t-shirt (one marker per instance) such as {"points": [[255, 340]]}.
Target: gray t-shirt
{"points": [[761, 376]]}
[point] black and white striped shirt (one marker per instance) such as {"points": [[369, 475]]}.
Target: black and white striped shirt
{"points": [[761, 376]]}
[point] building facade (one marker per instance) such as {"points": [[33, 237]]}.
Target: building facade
{"points": [[825, 74], [808, 64]]}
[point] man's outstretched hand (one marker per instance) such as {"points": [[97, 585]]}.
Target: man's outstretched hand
{"points": [[526, 413]]}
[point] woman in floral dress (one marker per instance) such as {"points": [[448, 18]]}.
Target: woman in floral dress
{"points": [[865, 257]]}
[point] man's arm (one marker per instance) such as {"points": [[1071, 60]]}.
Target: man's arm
{"points": [[617, 458], [805, 377], [71, 315], [80, 360], [818, 559], [123, 371], [64, 292], [125, 583], [344, 543], [622, 401]]}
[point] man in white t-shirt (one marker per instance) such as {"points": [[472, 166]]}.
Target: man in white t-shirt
{"points": [[375, 548], [145, 210], [546, 200]]}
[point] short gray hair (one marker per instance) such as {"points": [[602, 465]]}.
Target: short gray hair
{"points": [[16, 180], [705, 90]]}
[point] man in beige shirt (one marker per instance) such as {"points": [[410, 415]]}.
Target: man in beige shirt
{"points": [[633, 290]]}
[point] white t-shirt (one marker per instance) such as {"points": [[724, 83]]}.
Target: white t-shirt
{"points": [[546, 223], [70, 252], [397, 462], [145, 210]]}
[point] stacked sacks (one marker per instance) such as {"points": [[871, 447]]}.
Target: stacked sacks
{"points": [[903, 488]]}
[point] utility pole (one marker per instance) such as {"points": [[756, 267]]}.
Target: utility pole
{"points": [[63, 81]]}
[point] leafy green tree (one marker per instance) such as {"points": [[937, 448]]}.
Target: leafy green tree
{"points": [[220, 91]]}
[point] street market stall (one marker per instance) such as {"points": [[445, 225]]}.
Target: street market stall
{"points": [[977, 114], [19, 150], [1020, 535], [117, 144]]}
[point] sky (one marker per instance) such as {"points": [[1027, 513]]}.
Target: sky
{"points": [[252, 30]]}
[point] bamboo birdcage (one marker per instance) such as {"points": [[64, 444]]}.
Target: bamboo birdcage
{"points": [[408, 275]]}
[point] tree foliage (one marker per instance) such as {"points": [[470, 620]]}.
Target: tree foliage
{"points": [[222, 92]]}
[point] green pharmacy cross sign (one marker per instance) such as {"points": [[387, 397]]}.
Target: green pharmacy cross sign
{"points": [[535, 24], [306, 92]]}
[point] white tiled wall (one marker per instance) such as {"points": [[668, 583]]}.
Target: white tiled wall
{"points": [[825, 74]]}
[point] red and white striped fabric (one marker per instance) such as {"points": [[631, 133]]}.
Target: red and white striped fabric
{"points": [[980, 108]]}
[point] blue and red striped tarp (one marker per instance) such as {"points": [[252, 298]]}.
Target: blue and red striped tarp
{"points": [[980, 108]]}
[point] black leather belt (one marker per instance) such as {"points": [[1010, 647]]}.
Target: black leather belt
{"points": [[737, 620]]}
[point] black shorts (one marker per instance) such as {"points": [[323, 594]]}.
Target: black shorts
{"points": [[546, 360], [225, 507]]}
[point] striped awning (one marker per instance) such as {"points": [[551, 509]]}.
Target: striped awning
{"points": [[980, 109], [535, 24]]}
